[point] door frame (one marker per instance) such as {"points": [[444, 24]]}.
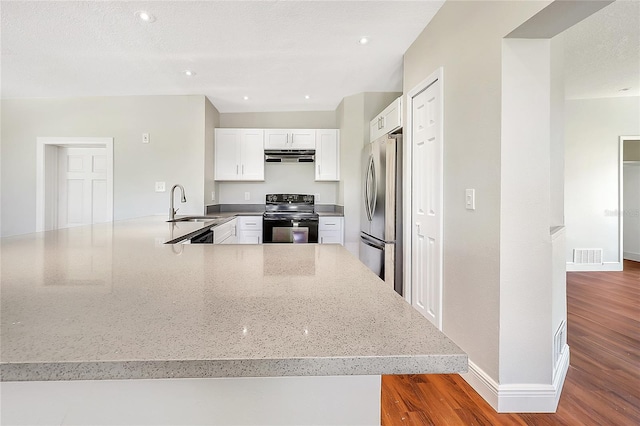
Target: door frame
{"points": [[437, 75], [47, 175], [622, 140]]}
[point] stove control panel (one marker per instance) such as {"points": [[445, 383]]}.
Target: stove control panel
{"points": [[290, 199]]}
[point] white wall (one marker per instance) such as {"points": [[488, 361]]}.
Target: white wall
{"points": [[175, 154], [592, 159], [211, 121], [471, 54], [631, 199], [280, 120]]}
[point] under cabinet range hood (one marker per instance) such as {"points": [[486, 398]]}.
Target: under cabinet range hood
{"points": [[289, 155]]}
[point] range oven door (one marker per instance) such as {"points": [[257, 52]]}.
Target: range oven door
{"points": [[289, 231]]}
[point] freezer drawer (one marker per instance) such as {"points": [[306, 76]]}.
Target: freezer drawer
{"points": [[372, 255], [381, 259]]}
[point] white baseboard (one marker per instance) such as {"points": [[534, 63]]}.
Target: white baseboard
{"points": [[522, 397], [631, 256], [589, 267]]}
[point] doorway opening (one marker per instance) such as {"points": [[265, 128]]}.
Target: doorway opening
{"points": [[630, 198], [74, 182]]}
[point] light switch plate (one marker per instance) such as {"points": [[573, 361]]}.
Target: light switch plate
{"points": [[160, 187], [145, 138], [470, 199]]}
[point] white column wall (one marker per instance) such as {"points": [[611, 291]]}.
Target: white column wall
{"points": [[525, 242]]}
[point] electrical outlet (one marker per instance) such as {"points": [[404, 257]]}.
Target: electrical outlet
{"points": [[247, 196], [213, 195], [145, 138], [316, 198], [160, 187]]}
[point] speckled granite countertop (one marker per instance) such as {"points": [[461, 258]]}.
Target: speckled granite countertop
{"points": [[111, 301]]}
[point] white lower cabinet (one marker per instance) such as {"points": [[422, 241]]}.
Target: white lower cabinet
{"points": [[330, 230], [226, 233], [249, 229]]}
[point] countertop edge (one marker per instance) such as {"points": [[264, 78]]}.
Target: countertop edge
{"points": [[321, 366]]}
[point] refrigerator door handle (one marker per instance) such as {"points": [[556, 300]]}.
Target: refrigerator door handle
{"points": [[367, 192], [374, 179], [366, 242], [376, 245]]}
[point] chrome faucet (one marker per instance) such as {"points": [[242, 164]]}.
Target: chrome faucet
{"points": [[172, 212]]}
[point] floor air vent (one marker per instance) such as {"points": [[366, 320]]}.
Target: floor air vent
{"points": [[559, 342], [588, 256]]}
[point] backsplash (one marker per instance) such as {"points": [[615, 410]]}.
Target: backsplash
{"points": [[280, 178]]}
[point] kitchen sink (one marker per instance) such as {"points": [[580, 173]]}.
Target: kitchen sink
{"points": [[196, 219]]}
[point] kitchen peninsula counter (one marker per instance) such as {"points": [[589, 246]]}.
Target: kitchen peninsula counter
{"points": [[112, 301]]}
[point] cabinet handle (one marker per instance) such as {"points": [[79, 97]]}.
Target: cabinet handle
{"points": [[318, 169], [291, 139], [243, 169], [252, 223], [287, 139], [382, 122], [236, 169]]}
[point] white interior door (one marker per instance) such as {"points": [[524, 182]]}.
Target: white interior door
{"points": [[426, 211], [82, 186]]}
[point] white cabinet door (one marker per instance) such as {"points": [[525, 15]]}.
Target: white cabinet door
{"points": [[303, 139], [276, 139], [392, 116], [250, 229], [252, 155], [330, 230], [388, 120], [227, 154], [225, 233], [327, 155], [289, 139], [239, 154]]}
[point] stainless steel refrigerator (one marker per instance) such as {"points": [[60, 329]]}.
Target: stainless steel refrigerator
{"points": [[381, 209]]}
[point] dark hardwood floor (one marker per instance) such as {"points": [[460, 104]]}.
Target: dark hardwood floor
{"points": [[602, 385]]}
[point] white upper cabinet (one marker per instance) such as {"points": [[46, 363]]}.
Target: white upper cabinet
{"points": [[389, 120], [239, 154], [327, 155], [289, 139]]}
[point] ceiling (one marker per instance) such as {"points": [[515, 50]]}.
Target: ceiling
{"points": [[273, 52], [602, 53]]}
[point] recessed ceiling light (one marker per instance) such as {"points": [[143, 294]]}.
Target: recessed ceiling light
{"points": [[189, 73], [246, 98], [624, 89], [363, 40], [307, 96], [145, 16]]}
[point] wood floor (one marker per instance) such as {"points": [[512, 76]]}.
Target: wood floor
{"points": [[602, 385]]}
